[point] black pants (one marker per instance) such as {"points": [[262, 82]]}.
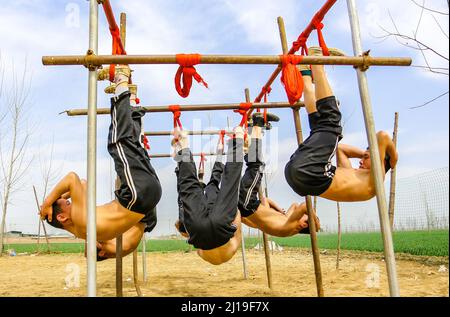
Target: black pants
{"points": [[310, 170], [211, 190], [208, 213], [140, 189], [251, 181]]}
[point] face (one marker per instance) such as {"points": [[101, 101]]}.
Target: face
{"points": [[365, 162], [66, 208]]}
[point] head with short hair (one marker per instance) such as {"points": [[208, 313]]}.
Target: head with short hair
{"points": [[61, 213]]}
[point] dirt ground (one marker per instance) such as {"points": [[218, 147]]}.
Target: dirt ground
{"points": [[184, 274]]}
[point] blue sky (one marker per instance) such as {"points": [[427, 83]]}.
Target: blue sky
{"points": [[30, 29]]}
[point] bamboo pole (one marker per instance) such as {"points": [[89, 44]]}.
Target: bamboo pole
{"points": [[119, 267], [393, 177], [157, 109], [309, 206], [91, 229], [144, 258], [119, 238], [99, 60], [136, 273], [265, 238], [169, 133], [41, 222], [376, 169], [338, 258]]}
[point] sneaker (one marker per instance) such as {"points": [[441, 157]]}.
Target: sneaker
{"points": [[258, 120], [317, 51], [103, 74]]}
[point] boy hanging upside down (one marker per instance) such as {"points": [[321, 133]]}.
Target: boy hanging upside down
{"points": [[209, 217], [267, 215], [203, 217], [310, 170], [133, 210]]}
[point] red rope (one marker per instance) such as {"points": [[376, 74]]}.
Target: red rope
{"points": [[117, 49], [176, 116], [243, 111], [186, 72], [291, 77], [146, 142], [203, 159], [319, 26], [222, 136]]}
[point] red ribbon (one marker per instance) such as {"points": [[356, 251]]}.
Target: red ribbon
{"points": [[291, 77], [186, 72], [176, 116]]}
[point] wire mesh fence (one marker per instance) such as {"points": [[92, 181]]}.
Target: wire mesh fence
{"points": [[422, 201]]}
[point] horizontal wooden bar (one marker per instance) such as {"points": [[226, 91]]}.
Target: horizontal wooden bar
{"points": [[205, 132], [232, 106], [98, 60], [156, 156]]}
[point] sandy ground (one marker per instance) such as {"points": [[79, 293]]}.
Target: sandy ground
{"points": [[185, 274]]}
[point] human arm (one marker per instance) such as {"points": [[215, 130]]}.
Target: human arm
{"points": [[345, 152], [69, 186], [130, 241], [275, 206]]}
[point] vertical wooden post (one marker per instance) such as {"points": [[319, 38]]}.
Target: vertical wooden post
{"points": [[119, 263], [393, 178], [376, 168], [265, 238], [136, 273], [309, 206], [338, 257]]}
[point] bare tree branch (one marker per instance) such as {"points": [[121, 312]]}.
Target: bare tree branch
{"points": [[440, 27], [428, 102], [428, 9], [14, 162]]}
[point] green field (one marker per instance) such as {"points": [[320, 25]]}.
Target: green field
{"points": [[426, 243]]}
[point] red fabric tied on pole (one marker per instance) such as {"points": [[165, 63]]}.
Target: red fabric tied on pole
{"points": [[146, 142], [243, 111], [117, 49], [291, 77], [319, 26], [187, 71], [176, 116], [301, 44], [201, 166], [222, 137]]}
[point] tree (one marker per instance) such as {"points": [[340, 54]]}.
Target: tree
{"points": [[414, 41], [14, 137]]}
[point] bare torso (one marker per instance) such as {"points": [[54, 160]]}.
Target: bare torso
{"points": [[350, 184], [112, 220]]}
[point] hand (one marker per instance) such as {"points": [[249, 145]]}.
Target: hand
{"points": [[180, 139], [46, 211]]}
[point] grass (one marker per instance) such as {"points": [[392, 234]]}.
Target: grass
{"points": [[425, 243]]}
